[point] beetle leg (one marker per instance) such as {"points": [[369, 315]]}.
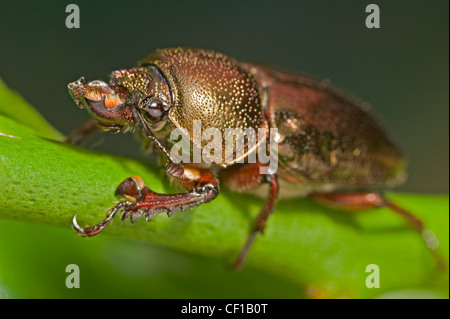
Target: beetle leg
{"points": [[366, 200], [242, 178], [90, 231], [361, 201], [260, 221], [89, 127], [201, 184], [142, 201]]}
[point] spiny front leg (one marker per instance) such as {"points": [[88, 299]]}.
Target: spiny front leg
{"points": [[202, 187]]}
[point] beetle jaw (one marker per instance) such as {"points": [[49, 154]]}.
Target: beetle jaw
{"points": [[74, 91], [103, 103]]}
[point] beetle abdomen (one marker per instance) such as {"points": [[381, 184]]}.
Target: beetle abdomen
{"points": [[326, 136]]}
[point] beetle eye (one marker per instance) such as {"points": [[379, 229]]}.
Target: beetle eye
{"points": [[154, 110]]}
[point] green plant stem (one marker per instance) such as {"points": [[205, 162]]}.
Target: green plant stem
{"points": [[43, 180]]}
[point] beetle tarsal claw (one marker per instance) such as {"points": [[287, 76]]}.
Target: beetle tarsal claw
{"points": [[89, 231], [75, 224]]}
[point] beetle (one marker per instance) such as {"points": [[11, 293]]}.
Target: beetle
{"points": [[329, 145]]}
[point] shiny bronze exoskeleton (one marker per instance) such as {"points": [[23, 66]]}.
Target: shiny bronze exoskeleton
{"points": [[327, 140]]}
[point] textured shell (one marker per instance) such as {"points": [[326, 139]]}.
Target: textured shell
{"points": [[328, 139], [211, 87]]}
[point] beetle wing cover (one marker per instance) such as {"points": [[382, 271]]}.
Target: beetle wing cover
{"points": [[326, 135]]}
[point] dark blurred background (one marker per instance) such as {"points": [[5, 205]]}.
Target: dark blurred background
{"points": [[401, 69]]}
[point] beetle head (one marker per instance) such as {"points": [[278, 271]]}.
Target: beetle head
{"points": [[131, 97]]}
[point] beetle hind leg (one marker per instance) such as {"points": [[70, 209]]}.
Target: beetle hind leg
{"points": [[365, 200], [362, 201]]}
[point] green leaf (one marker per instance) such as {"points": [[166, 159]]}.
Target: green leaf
{"points": [[322, 251], [12, 105]]}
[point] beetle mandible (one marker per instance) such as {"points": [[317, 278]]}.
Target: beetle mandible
{"points": [[327, 140]]}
